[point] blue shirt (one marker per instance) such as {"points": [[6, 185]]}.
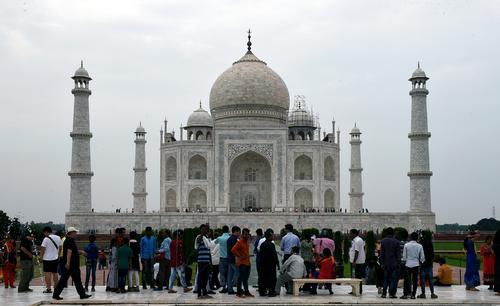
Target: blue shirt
{"points": [[222, 241], [165, 247], [231, 241], [92, 251], [290, 240], [148, 247]]}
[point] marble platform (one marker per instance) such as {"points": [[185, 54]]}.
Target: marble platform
{"points": [[456, 295]]}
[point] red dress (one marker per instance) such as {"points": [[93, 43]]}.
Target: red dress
{"points": [[326, 266], [488, 264]]}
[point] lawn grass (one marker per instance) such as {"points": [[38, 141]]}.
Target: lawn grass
{"points": [[452, 245]]}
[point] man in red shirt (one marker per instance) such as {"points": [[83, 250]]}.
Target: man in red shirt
{"points": [[177, 262]]}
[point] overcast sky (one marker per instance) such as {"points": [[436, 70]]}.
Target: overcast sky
{"points": [[151, 59]]}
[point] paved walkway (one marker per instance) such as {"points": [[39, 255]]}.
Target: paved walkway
{"points": [[456, 295]]}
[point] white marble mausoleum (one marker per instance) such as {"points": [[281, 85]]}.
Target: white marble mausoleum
{"points": [[252, 160]]}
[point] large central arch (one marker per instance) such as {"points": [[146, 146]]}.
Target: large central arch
{"points": [[250, 183]]}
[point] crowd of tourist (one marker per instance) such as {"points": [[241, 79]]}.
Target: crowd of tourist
{"points": [[223, 262]]}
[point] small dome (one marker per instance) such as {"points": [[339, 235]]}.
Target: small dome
{"points": [[355, 130], [300, 117], [200, 117], [140, 129], [81, 72], [419, 73]]}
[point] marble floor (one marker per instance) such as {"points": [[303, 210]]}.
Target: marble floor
{"points": [[456, 295]]}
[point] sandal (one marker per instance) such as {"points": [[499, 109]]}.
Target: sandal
{"points": [[47, 291]]}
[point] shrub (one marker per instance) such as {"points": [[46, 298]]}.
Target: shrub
{"points": [[347, 246], [338, 246], [309, 232], [370, 244]]}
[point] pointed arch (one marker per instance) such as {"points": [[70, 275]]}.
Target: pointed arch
{"points": [[303, 168], [329, 200], [303, 199], [199, 135], [250, 182], [329, 169], [197, 169], [171, 201], [171, 169], [209, 136], [197, 200]]}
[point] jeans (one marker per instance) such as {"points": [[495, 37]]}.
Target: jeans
{"points": [[359, 272], [232, 275], [282, 280], [61, 270], [77, 280], [426, 273], [133, 278], [223, 269], [147, 272], [26, 275], [390, 280], [163, 273], [202, 279], [122, 278], [412, 280], [174, 271], [214, 278], [90, 266], [243, 274]]}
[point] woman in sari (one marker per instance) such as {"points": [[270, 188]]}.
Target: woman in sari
{"points": [[496, 249], [471, 277], [488, 262], [112, 281]]}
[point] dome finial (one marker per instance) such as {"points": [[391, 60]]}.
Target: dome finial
{"points": [[81, 64], [249, 43], [418, 64], [200, 104]]}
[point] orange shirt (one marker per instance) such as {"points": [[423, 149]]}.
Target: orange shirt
{"points": [[242, 252], [444, 274]]}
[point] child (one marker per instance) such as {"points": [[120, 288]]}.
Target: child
{"points": [[135, 267], [124, 255], [102, 260], [326, 267]]}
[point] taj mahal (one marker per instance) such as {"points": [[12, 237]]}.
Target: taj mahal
{"points": [[255, 159]]}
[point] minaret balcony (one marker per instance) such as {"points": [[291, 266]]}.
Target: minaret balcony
{"points": [[420, 173], [419, 92], [80, 135], [81, 90], [80, 173], [416, 135]]}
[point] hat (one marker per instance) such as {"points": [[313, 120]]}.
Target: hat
{"points": [[72, 229]]}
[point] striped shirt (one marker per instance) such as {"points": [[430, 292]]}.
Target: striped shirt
{"points": [[203, 251]]}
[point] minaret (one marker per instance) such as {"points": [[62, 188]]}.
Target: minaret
{"points": [[140, 171], [80, 173], [420, 187], [356, 191]]}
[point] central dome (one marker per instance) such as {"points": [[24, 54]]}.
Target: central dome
{"points": [[249, 89]]}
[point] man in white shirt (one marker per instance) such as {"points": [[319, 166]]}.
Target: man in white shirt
{"points": [[357, 255], [50, 255], [413, 254]]}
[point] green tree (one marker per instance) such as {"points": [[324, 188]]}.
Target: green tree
{"points": [[347, 246], [338, 246], [309, 232], [15, 228], [370, 244], [4, 224]]}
